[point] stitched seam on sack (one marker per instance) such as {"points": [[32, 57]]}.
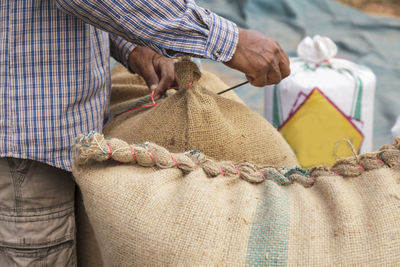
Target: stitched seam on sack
{"points": [[351, 162]]}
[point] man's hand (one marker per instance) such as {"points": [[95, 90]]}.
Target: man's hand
{"points": [[261, 58], [158, 71]]}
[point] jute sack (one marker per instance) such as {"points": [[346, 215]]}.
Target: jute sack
{"points": [[197, 118], [88, 249], [126, 89], [150, 207]]}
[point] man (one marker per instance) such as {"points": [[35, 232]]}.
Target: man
{"points": [[55, 84]]}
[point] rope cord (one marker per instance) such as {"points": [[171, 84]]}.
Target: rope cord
{"points": [[91, 147]]}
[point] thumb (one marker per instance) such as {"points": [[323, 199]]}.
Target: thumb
{"points": [[151, 78]]}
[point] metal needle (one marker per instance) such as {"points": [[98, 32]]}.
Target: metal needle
{"points": [[234, 87]]}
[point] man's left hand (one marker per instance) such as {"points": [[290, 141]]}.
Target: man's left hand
{"points": [[158, 71]]}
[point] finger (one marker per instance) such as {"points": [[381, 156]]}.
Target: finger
{"points": [[284, 69], [175, 83], [284, 66], [274, 76], [167, 79], [150, 77], [258, 80], [262, 77]]}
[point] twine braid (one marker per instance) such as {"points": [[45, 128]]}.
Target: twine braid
{"points": [[95, 147]]}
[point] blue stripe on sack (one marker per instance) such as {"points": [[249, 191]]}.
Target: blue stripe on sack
{"points": [[268, 242]]}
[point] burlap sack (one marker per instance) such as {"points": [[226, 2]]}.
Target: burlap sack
{"points": [[127, 88], [88, 249], [150, 207], [196, 118]]}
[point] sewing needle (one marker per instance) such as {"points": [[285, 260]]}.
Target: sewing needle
{"points": [[234, 87]]}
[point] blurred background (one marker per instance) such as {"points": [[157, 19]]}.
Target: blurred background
{"points": [[385, 8], [366, 31]]}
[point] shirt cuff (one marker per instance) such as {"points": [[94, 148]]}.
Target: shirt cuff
{"points": [[126, 50], [121, 49], [222, 39]]}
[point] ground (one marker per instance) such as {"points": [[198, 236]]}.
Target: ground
{"points": [[387, 8]]}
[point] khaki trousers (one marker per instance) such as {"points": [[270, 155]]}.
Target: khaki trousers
{"points": [[37, 222]]}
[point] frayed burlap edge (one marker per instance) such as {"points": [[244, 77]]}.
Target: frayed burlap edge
{"points": [[94, 147]]}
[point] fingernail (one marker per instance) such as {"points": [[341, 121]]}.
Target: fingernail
{"points": [[153, 87]]}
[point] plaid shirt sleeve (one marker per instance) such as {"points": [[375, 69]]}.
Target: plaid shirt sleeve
{"points": [[120, 49], [170, 27]]}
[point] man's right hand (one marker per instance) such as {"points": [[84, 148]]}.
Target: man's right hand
{"points": [[261, 58], [157, 71]]}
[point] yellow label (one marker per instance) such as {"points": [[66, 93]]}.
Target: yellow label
{"points": [[316, 132]]}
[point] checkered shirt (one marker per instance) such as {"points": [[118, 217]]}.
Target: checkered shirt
{"points": [[54, 63]]}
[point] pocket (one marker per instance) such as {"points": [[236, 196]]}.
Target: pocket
{"points": [[29, 230], [38, 238], [62, 254]]}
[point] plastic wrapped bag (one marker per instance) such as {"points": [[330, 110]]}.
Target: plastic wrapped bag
{"points": [[324, 101]]}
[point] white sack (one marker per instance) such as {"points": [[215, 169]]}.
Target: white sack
{"points": [[348, 86]]}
